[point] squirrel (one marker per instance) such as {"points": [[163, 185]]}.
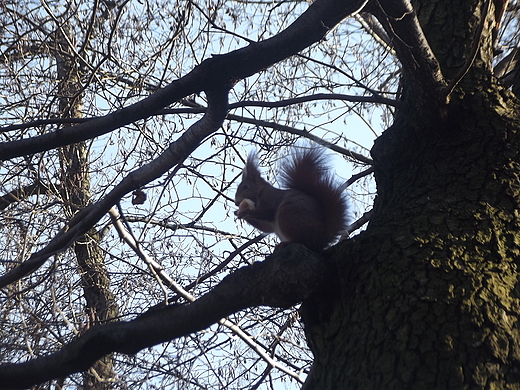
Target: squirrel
{"points": [[311, 211]]}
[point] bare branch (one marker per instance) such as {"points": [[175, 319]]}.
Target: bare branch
{"points": [[154, 266], [158, 270], [89, 216], [20, 193], [216, 72], [319, 96], [197, 110], [375, 30], [306, 134], [504, 68], [356, 177], [412, 47], [175, 226], [282, 280], [358, 223]]}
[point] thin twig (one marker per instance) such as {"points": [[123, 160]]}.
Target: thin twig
{"points": [[169, 282]]}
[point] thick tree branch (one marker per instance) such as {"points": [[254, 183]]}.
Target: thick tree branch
{"points": [[418, 60], [216, 72], [282, 280], [477, 41]]}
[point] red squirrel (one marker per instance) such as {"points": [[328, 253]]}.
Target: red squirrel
{"points": [[311, 211]]}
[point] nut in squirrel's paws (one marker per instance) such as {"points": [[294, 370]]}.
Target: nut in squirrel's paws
{"points": [[245, 206]]}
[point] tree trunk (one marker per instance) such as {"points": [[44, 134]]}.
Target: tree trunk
{"points": [[428, 296], [100, 302]]}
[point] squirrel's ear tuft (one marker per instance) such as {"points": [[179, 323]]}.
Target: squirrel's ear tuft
{"points": [[251, 170]]}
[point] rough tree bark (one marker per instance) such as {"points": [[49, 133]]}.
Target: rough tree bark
{"points": [[428, 296], [100, 306]]}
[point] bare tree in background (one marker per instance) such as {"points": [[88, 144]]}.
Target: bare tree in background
{"points": [[125, 128]]}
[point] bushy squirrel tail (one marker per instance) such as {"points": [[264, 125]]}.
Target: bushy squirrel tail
{"points": [[308, 171]]}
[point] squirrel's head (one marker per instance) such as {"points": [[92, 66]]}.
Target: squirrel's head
{"points": [[252, 181]]}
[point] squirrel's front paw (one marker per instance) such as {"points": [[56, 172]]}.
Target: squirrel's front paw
{"points": [[245, 206]]}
